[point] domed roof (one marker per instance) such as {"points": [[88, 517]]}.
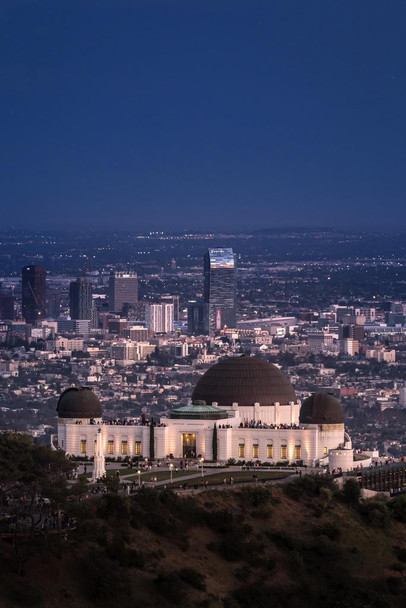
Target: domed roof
{"points": [[321, 408], [244, 380], [79, 402]]}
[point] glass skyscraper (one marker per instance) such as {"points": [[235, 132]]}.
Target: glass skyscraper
{"points": [[33, 293], [219, 289]]}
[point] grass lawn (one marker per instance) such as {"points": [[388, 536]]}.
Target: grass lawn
{"points": [[160, 475], [212, 478], [244, 476]]}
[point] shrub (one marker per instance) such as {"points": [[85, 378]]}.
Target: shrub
{"points": [[398, 507], [281, 538], [330, 530], [376, 513], [169, 585], [193, 578]]}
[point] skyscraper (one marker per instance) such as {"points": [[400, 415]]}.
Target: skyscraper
{"points": [[6, 305], [195, 317], [219, 289], [33, 293], [123, 289], [80, 299]]}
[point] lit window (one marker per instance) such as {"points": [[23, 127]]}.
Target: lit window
{"points": [[255, 450], [269, 451], [83, 446], [325, 451], [241, 450], [138, 450], [124, 448], [110, 446], [298, 452], [284, 451]]}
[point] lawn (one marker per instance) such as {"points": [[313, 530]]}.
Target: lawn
{"points": [[213, 478]]}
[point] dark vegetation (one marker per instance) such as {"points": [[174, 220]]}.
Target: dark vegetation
{"points": [[301, 544]]}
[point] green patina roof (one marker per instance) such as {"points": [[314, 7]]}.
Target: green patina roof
{"points": [[202, 411]]}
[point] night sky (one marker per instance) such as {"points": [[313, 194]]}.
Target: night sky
{"points": [[171, 115]]}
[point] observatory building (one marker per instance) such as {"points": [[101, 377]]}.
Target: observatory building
{"points": [[251, 403]]}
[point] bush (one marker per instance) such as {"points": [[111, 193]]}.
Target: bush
{"points": [[398, 507], [330, 530], [102, 578], [169, 585], [375, 513], [193, 578], [281, 538]]}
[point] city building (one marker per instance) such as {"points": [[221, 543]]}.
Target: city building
{"points": [[74, 326], [195, 317], [6, 305], [219, 268], [349, 347], [33, 293], [159, 318], [167, 299], [80, 299], [123, 290], [250, 401]]}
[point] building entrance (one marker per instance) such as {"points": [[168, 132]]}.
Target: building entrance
{"points": [[189, 445]]}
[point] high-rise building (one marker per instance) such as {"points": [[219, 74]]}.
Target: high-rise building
{"points": [[219, 289], [80, 299], [6, 305], [159, 318], [167, 299], [195, 317], [123, 289], [53, 303], [33, 293]]}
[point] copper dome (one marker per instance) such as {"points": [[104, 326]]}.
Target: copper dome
{"points": [[244, 380], [321, 408], [78, 403]]}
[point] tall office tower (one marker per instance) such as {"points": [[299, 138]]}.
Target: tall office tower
{"points": [[123, 289], [159, 318], [34, 293], [195, 318], [53, 304], [6, 305], [80, 299], [219, 289], [175, 301]]}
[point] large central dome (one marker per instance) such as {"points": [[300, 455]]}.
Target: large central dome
{"points": [[244, 380]]}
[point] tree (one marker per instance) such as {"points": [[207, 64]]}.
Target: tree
{"points": [[28, 471], [152, 439], [214, 442], [351, 491]]}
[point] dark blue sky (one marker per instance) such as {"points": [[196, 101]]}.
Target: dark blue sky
{"points": [[173, 115]]}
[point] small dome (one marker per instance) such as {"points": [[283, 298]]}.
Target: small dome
{"points": [[321, 408], [78, 403], [244, 380]]}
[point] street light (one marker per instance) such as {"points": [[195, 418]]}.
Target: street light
{"points": [[171, 469], [139, 478], [201, 462]]}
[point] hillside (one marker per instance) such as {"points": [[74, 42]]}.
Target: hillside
{"points": [[301, 544]]}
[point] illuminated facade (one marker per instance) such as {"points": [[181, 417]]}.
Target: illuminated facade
{"points": [[219, 289], [271, 431]]}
